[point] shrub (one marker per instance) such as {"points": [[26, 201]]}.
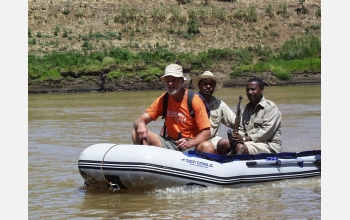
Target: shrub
{"points": [[304, 10], [219, 13], [318, 12], [69, 78], [249, 14], [65, 33], [50, 74], [108, 61], [120, 55], [87, 46], [65, 11], [235, 72], [29, 33], [57, 29], [115, 74], [32, 41], [94, 67], [192, 27], [220, 54], [98, 55], [269, 11], [243, 56], [264, 53], [281, 73], [305, 47], [158, 14], [315, 26], [111, 35], [283, 10], [149, 73]]}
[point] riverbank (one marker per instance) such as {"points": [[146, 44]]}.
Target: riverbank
{"points": [[135, 84], [234, 33]]}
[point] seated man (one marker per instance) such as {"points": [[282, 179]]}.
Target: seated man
{"points": [[259, 130], [178, 120], [219, 110]]}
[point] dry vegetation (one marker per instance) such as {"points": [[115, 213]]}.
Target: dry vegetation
{"points": [[137, 25], [141, 25]]}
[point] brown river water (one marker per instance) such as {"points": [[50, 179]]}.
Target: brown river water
{"points": [[61, 126]]}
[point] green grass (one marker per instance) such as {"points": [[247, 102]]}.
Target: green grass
{"points": [[302, 54], [282, 68], [248, 14], [305, 47]]}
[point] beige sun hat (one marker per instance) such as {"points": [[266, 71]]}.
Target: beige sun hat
{"points": [[174, 70], [207, 75]]}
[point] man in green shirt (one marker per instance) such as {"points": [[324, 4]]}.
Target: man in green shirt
{"points": [[259, 130]]}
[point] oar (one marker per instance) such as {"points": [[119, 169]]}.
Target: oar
{"points": [[279, 161]]}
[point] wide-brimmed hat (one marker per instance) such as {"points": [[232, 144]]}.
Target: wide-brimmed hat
{"points": [[207, 75], [174, 70]]}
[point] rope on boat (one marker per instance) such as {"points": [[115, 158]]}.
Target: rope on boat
{"points": [[110, 183]]}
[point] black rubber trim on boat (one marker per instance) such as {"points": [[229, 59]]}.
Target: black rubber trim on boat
{"points": [[195, 184]]}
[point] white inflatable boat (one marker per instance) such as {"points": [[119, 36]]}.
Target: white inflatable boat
{"points": [[143, 167]]}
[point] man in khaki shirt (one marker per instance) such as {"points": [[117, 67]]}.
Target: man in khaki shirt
{"points": [[207, 83], [259, 130]]}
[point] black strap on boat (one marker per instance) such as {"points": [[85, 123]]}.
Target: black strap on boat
{"points": [[165, 107]]}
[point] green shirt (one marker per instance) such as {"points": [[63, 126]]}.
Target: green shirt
{"points": [[262, 124]]}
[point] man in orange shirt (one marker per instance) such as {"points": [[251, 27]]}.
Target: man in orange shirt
{"points": [[183, 131]]}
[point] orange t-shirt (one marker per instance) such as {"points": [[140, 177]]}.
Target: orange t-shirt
{"points": [[178, 117]]}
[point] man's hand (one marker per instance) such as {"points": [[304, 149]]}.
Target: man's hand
{"points": [[237, 137], [183, 144], [141, 132]]}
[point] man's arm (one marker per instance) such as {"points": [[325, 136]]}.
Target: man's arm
{"points": [[203, 135], [140, 125], [229, 116]]}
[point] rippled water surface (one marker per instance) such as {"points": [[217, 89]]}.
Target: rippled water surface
{"points": [[61, 126]]}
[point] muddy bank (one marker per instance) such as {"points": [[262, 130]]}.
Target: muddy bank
{"points": [[134, 84]]}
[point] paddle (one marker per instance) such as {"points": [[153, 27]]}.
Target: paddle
{"points": [[280, 161]]}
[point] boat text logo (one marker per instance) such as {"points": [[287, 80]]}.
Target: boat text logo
{"points": [[198, 163]]}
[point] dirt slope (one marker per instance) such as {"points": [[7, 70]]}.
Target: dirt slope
{"points": [[142, 25]]}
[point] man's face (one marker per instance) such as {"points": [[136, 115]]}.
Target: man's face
{"points": [[173, 84], [206, 87], [253, 91]]}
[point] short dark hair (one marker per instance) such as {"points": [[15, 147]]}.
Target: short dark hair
{"points": [[260, 82]]}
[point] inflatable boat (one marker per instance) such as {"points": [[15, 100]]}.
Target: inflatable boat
{"points": [[144, 167]]}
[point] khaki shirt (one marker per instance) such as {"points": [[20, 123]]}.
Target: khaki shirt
{"points": [[220, 113], [262, 124]]}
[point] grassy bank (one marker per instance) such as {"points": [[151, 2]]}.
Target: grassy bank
{"points": [[296, 55], [70, 40]]}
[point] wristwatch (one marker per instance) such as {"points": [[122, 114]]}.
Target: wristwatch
{"points": [[243, 138]]}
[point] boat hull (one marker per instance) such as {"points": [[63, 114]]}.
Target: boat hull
{"points": [[142, 167]]}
